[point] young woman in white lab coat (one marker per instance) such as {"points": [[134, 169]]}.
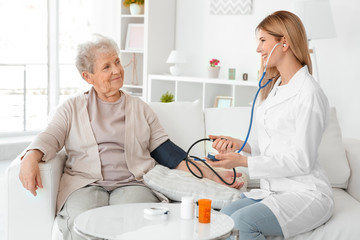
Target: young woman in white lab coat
{"points": [[295, 195]]}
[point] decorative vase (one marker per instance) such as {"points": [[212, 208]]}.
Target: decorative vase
{"points": [[136, 9], [213, 72]]}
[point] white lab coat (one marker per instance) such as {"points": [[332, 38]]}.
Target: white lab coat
{"points": [[284, 148]]}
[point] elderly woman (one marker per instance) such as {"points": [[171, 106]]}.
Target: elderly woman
{"points": [[111, 138]]}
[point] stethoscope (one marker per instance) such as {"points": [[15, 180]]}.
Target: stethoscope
{"points": [[187, 161]]}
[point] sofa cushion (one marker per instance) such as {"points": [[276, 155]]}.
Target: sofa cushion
{"points": [[175, 184], [184, 123], [342, 225], [344, 222], [332, 156], [235, 121], [352, 147]]}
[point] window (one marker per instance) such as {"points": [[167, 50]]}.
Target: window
{"points": [[24, 64]]}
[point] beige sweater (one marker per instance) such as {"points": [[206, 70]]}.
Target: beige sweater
{"points": [[70, 128]]}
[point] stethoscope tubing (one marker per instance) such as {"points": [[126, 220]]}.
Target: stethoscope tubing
{"points": [[247, 135]]}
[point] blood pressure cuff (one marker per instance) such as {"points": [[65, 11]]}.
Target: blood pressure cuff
{"points": [[168, 154]]}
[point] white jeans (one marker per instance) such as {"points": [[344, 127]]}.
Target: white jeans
{"points": [[91, 197]]}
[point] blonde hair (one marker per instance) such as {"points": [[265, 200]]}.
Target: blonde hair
{"points": [[284, 24]]}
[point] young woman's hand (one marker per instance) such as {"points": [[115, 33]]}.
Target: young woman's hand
{"points": [[224, 144], [229, 160]]}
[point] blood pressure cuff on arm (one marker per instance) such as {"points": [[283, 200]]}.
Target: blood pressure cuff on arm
{"points": [[168, 154]]}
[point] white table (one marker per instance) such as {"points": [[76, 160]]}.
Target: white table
{"points": [[128, 221]]}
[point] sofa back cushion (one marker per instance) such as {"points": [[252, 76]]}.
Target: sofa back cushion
{"points": [[235, 122], [332, 156], [232, 122], [184, 123]]}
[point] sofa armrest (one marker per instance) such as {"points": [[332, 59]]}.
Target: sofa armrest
{"points": [[30, 217], [352, 147]]}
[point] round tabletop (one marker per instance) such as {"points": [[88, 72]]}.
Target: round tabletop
{"points": [[128, 221]]}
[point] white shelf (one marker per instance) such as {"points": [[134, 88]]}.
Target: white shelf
{"points": [[222, 81], [133, 86], [159, 34], [187, 88], [132, 16], [131, 51]]}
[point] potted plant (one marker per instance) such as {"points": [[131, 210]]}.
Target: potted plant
{"points": [[167, 97], [136, 6], [214, 69]]}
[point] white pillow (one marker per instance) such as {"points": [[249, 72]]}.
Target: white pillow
{"points": [[183, 122], [175, 184], [332, 156]]}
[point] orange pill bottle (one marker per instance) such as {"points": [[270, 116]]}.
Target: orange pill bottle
{"points": [[204, 210]]}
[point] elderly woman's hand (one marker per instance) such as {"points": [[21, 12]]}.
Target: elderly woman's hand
{"points": [[29, 171], [228, 177]]}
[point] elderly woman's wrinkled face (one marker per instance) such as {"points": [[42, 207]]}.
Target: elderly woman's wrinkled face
{"points": [[107, 77]]}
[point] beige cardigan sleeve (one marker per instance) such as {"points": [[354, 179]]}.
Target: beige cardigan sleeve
{"points": [[143, 134], [52, 138]]}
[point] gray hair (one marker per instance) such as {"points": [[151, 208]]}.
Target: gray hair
{"points": [[86, 53]]}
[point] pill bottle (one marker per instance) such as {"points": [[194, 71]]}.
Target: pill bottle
{"points": [[187, 208], [204, 210]]}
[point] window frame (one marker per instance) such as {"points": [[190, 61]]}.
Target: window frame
{"points": [[53, 86], [54, 67]]}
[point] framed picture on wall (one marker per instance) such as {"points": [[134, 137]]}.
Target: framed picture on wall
{"points": [[223, 101], [135, 37]]}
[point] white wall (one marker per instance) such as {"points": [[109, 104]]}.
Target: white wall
{"points": [[231, 39]]}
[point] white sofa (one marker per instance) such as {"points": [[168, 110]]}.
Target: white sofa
{"points": [[27, 217]]}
